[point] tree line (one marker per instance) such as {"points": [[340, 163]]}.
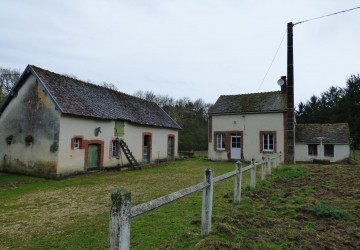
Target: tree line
{"points": [[335, 105], [190, 115]]}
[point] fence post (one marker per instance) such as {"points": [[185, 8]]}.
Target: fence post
{"points": [[237, 186], [120, 217], [253, 174], [207, 203], [280, 159], [268, 165], [263, 168]]}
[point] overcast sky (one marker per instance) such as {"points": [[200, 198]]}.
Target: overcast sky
{"points": [[184, 48]]}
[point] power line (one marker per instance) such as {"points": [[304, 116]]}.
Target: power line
{"points": [[272, 61], [332, 14], [308, 20]]}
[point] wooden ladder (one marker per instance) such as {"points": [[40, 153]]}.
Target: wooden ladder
{"points": [[129, 156]]}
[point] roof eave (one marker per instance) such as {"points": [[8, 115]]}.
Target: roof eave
{"points": [[57, 106], [247, 112]]}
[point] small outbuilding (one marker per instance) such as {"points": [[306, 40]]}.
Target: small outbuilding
{"points": [[53, 125], [329, 142]]}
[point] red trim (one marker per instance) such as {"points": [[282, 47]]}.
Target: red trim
{"points": [[150, 144], [81, 137], [285, 138], [228, 135], [210, 129], [227, 141], [215, 139], [86, 146], [262, 133], [236, 132]]}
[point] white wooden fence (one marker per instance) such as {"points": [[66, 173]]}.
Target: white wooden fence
{"points": [[121, 211]]}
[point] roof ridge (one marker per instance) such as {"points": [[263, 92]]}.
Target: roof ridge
{"points": [[323, 124], [256, 93], [86, 82]]}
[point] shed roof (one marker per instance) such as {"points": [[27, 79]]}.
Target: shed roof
{"points": [[337, 133], [250, 103], [75, 97]]}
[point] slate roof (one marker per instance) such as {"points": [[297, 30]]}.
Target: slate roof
{"points": [[250, 103], [75, 97], [337, 133]]}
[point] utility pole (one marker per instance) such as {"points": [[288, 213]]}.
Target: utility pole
{"points": [[290, 97]]}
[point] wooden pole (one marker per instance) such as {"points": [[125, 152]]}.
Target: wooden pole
{"points": [[263, 170], [120, 217], [207, 203], [237, 185], [253, 174], [290, 150]]}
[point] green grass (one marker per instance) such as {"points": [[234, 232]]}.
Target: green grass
{"points": [[280, 213], [325, 211]]}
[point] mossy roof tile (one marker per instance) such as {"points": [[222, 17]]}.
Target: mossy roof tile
{"points": [[330, 133], [250, 103], [80, 98]]}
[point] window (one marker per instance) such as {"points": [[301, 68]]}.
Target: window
{"points": [[115, 148], [329, 150], [220, 141], [268, 145], [77, 143], [312, 149]]}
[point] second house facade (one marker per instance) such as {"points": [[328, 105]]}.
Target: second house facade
{"points": [[247, 126]]}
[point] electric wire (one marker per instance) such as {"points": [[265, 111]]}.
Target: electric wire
{"points": [[272, 61], [332, 14], [304, 21]]}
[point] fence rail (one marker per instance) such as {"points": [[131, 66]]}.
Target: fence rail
{"points": [[121, 212]]}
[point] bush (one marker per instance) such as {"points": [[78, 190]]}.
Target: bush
{"points": [[324, 211]]}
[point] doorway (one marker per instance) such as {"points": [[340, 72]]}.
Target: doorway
{"points": [[146, 148], [170, 148], [93, 157], [235, 149]]}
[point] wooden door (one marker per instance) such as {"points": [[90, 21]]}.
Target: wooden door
{"points": [[93, 156], [170, 148], [147, 148]]}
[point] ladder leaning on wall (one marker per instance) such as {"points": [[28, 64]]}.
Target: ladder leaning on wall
{"points": [[129, 156]]}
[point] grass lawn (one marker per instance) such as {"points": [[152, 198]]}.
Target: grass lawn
{"points": [[297, 207]]}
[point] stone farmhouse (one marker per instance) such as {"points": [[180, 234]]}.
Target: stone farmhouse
{"points": [[52, 126]]}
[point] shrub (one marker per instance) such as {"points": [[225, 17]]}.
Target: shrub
{"points": [[325, 211]]}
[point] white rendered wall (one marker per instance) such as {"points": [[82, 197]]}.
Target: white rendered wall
{"points": [[72, 160], [341, 152], [250, 125]]}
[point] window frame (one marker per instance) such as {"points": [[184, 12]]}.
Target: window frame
{"points": [[313, 149], [220, 141], [265, 144], [327, 150], [77, 143], [115, 148]]}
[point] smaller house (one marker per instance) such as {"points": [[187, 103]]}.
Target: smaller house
{"points": [[322, 142], [248, 126]]}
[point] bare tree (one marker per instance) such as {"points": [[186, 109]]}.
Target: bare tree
{"points": [[8, 78], [109, 85]]}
